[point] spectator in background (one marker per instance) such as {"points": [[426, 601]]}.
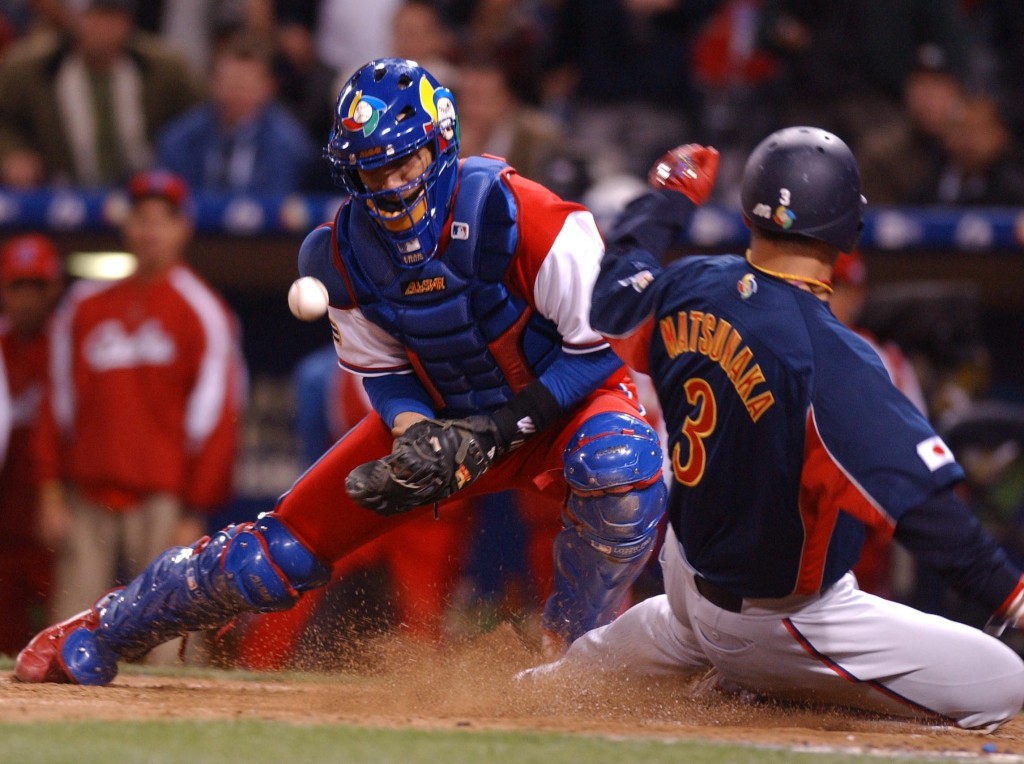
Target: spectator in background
{"points": [[982, 163], [1000, 56], [850, 291], [737, 81], [25, 17], [305, 84], [496, 122], [194, 28], [899, 157], [622, 68], [351, 32], [875, 568], [844, 63], [137, 439], [30, 285], [83, 107], [511, 32], [419, 33], [242, 140], [18, 18]]}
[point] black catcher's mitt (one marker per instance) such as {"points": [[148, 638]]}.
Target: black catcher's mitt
{"points": [[429, 462]]}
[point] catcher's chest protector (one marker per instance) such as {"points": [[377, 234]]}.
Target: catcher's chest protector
{"points": [[472, 342]]}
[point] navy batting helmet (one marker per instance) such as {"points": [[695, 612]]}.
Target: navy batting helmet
{"points": [[804, 180]]}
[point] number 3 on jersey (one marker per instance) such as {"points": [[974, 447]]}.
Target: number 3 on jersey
{"points": [[695, 429]]}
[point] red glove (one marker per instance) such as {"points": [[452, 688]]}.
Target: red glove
{"points": [[689, 169]]}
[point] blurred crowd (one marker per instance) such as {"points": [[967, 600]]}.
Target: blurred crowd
{"points": [[237, 96]]}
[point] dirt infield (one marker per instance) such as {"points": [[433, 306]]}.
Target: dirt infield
{"points": [[472, 688]]}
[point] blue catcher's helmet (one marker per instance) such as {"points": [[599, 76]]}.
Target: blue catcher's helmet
{"points": [[804, 180], [388, 110]]}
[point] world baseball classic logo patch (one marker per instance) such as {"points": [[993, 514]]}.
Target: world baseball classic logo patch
{"points": [[934, 453]]}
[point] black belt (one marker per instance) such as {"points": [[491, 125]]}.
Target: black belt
{"points": [[718, 596]]}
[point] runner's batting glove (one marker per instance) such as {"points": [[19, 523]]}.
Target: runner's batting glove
{"points": [[688, 169], [429, 462]]}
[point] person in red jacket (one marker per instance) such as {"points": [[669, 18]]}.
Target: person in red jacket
{"points": [[30, 285], [137, 439]]}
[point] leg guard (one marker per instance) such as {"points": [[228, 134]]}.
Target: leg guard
{"points": [[250, 567], [617, 496]]}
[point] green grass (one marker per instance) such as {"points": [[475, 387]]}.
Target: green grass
{"points": [[256, 743]]}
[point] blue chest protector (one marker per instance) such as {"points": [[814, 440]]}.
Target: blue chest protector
{"points": [[471, 341]]}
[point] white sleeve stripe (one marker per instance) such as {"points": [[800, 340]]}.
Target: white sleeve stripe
{"points": [[589, 347], [584, 351], [63, 401], [207, 398]]}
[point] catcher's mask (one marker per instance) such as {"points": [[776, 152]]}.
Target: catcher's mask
{"points": [[388, 110]]}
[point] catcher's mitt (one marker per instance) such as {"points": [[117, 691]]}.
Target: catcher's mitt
{"points": [[429, 462]]}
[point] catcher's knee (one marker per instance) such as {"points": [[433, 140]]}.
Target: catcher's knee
{"points": [[613, 469], [269, 567]]}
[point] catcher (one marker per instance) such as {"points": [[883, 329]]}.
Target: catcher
{"points": [[460, 292]]}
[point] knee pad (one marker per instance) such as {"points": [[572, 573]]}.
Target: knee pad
{"points": [[613, 469], [612, 450], [269, 566]]}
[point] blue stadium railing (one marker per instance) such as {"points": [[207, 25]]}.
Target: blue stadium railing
{"points": [[71, 210], [713, 226]]}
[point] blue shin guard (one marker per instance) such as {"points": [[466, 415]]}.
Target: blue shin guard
{"points": [[617, 496], [257, 567]]}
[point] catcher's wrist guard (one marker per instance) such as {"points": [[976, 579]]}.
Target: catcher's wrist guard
{"points": [[530, 410]]}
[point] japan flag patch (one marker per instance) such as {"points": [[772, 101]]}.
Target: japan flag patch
{"points": [[934, 453]]}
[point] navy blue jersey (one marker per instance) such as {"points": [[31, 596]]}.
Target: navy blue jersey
{"points": [[786, 436]]}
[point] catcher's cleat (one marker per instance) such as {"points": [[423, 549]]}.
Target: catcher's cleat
{"points": [[67, 653]]}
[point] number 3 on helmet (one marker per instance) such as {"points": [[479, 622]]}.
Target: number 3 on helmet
{"points": [[389, 109]]}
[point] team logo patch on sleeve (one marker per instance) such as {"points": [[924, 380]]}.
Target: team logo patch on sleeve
{"points": [[639, 281], [934, 453]]}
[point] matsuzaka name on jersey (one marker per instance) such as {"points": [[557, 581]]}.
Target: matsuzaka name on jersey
{"points": [[704, 333]]}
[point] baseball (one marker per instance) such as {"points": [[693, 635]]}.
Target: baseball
{"points": [[307, 298]]}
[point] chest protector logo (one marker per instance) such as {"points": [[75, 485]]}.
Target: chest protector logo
{"points": [[424, 286]]}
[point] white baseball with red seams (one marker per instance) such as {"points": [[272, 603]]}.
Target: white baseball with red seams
{"points": [[307, 298]]}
